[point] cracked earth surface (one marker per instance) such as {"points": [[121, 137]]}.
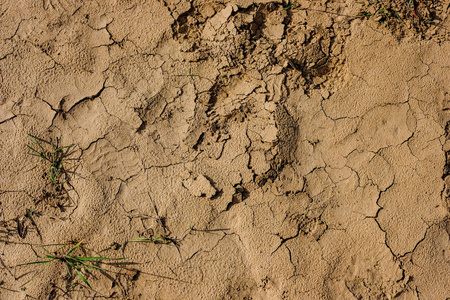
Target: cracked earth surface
{"points": [[296, 153]]}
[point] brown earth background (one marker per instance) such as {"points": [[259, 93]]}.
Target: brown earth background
{"points": [[277, 152]]}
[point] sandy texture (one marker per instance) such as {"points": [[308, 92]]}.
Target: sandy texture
{"points": [[273, 153]]}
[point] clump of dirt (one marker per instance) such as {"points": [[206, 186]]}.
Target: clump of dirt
{"points": [[261, 36]]}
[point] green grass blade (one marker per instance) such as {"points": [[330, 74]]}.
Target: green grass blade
{"points": [[34, 276], [39, 154], [77, 262], [53, 175], [32, 149], [56, 150], [92, 269], [49, 254], [60, 148], [82, 264], [84, 279], [35, 263], [68, 269], [32, 138], [73, 248], [36, 142], [290, 5]]}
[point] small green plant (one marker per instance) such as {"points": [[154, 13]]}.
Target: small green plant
{"points": [[385, 13], [289, 6], [365, 14], [55, 157], [391, 13], [79, 264]]}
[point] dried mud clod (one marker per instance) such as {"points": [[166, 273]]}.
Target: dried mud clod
{"points": [[261, 36]]}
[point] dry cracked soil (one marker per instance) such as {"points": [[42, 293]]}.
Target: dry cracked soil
{"points": [[227, 149]]}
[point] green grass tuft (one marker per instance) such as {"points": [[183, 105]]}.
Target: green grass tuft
{"points": [[55, 156], [72, 262]]}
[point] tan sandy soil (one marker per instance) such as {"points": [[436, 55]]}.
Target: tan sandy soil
{"points": [[274, 152]]}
